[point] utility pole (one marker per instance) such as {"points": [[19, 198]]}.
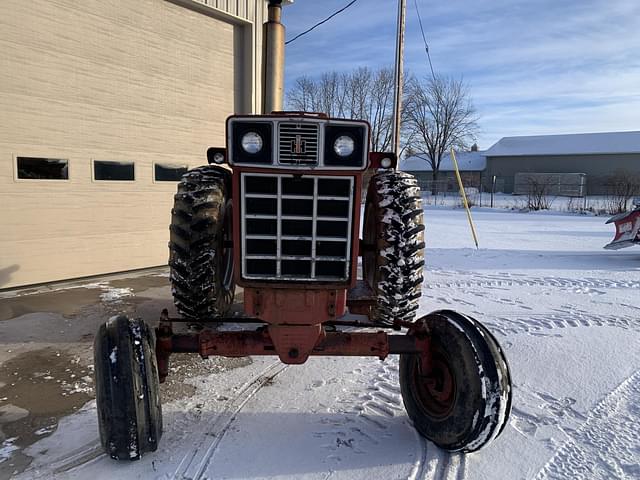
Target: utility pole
{"points": [[397, 93]]}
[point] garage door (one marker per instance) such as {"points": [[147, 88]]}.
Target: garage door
{"points": [[104, 103]]}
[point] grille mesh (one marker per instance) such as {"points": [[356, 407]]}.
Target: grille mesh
{"points": [[296, 228], [298, 143]]}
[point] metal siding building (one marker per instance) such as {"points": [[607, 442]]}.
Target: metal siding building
{"points": [[143, 83], [471, 165], [598, 155]]}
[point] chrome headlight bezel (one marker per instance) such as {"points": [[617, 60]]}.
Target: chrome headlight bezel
{"points": [[252, 143], [344, 145], [240, 152], [351, 157]]}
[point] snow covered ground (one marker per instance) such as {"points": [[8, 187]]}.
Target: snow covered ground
{"points": [[566, 311]]}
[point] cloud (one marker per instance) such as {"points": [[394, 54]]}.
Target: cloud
{"points": [[533, 67]]}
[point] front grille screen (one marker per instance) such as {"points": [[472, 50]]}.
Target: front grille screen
{"points": [[298, 143], [296, 228]]}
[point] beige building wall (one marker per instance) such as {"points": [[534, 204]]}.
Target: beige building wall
{"points": [[138, 81]]}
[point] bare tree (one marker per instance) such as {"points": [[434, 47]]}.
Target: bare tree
{"points": [[326, 94], [621, 187], [362, 94], [538, 196], [441, 115], [302, 96]]}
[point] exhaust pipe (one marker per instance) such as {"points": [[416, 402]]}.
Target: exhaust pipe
{"points": [[274, 32]]}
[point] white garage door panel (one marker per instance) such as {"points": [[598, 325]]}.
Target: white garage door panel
{"points": [[52, 123], [97, 84], [116, 76], [140, 81]]}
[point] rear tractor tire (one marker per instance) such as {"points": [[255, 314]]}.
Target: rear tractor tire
{"points": [[200, 255], [127, 388], [463, 401], [393, 235]]}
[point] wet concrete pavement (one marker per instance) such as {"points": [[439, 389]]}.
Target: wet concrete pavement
{"points": [[46, 353]]}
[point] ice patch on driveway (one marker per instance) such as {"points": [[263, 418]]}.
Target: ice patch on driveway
{"points": [[115, 294], [6, 448]]}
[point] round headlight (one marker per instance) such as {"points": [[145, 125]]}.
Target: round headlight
{"points": [[343, 146], [251, 142], [218, 157]]}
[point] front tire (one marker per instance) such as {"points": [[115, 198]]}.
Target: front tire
{"points": [[200, 258], [127, 388], [463, 401]]}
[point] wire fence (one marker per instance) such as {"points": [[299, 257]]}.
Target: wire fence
{"points": [[555, 192]]}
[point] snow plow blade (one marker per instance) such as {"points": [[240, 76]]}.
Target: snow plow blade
{"points": [[627, 230]]}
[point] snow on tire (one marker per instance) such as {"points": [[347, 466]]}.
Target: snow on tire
{"points": [[463, 401], [393, 258], [127, 388], [201, 265]]}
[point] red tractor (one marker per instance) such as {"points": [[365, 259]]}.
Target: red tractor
{"points": [[278, 213]]}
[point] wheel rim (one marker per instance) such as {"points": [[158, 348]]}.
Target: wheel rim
{"points": [[369, 256], [225, 263], [436, 391]]}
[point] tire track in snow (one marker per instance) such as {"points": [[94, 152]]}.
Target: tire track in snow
{"points": [[562, 317], [438, 464], [372, 413], [451, 466], [542, 324], [537, 411], [366, 416], [369, 414], [386, 401], [495, 287], [82, 456], [474, 279], [195, 463], [386, 387], [607, 445]]}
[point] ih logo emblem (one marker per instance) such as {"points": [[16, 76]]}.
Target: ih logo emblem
{"points": [[298, 146]]}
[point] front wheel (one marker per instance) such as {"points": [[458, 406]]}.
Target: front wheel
{"points": [[127, 388], [463, 399]]}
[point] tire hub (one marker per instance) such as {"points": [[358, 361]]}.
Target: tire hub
{"points": [[437, 389]]}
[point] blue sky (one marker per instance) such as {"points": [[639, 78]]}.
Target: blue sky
{"points": [[533, 66]]}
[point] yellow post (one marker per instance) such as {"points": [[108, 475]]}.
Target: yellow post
{"points": [[464, 197]]}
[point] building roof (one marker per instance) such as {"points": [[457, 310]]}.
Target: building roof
{"points": [[467, 162], [571, 144]]}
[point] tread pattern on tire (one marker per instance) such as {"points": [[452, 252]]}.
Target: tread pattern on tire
{"points": [[396, 201], [504, 378], [127, 388], [196, 221], [483, 400]]}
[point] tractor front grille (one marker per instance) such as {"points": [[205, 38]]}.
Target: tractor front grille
{"points": [[296, 228], [298, 143]]}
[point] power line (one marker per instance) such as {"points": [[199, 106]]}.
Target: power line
{"points": [[426, 45], [321, 22]]}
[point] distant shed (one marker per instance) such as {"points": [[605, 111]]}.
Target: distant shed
{"points": [[471, 164], [598, 155]]}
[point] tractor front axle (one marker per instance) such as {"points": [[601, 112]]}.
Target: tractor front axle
{"points": [[259, 342]]}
